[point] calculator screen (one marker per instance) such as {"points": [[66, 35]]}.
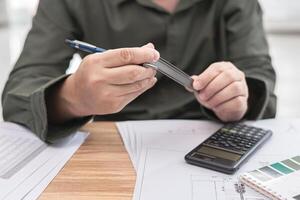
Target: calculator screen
{"points": [[218, 153]]}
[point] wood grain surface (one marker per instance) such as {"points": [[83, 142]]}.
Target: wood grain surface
{"points": [[100, 169]]}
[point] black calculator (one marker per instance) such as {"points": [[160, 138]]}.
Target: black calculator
{"points": [[228, 147]]}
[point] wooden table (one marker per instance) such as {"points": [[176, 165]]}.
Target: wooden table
{"points": [[100, 169]]}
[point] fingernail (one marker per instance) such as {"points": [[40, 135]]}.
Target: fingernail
{"points": [[154, 72], [150, 45], [156, 56], [196, 85], [154, 80]]}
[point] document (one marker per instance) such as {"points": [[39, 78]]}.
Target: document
{"points": [[280, 179], [157, 150], [168, 134], [36, 191], [26, 162], [16, 152], [163, 174]]}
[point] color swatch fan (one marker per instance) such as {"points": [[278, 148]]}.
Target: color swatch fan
{"points": [[280, 180]]}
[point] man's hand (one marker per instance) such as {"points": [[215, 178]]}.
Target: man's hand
{"points": [[104, 83], [222, 88]]}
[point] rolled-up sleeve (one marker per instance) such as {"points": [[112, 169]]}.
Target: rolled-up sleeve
{"points": [[41, 65]]}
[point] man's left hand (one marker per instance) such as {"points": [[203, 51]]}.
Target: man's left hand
{"points": [[222, 88]]}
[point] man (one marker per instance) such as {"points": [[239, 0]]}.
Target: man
{"points": [[220, 42]]}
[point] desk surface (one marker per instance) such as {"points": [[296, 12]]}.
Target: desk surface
{"points": [[100, 169]]}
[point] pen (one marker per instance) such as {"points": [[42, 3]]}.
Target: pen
{"points": [[161, 65], [89, 48], [83, 46]]}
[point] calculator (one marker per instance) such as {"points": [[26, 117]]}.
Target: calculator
{"points": [[228, 147]]}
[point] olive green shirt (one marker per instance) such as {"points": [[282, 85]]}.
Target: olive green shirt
{"points": [[197, 34]]}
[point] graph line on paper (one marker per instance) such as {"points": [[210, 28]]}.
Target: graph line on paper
{"points": [[15, 153], [224, 187], [220, 188]]}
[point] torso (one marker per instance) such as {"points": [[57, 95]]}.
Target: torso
{"points": [[134, 23]]}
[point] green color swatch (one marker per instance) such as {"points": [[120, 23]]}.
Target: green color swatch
{"points": [[281, 168]]}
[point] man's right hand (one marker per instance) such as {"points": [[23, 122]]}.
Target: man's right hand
{"points": [[103, 84]]}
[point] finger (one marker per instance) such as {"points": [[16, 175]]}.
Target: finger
{"points": [[126, 89], [237, 88], [188, 89], [128, 74], [221, 81], [203, 103], [209, 74], [131, 96], [196, 85], [125, 56], [149, 45], [232, 110]]}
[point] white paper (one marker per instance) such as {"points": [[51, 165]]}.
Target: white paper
{"points": [[16, 152], [165, 175], [36, 191], [169, 134], [31, 172], [66, 149]]}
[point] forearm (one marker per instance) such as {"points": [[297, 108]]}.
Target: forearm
{"points": [[61, 102]]}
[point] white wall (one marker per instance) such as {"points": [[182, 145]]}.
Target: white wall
{"points": [[281, 15]]}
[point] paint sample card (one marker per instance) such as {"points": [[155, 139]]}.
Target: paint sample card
{"points": [[280, 179]]}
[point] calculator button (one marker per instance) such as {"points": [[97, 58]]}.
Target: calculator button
{"points": [[235, 137], [232, 144]]}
